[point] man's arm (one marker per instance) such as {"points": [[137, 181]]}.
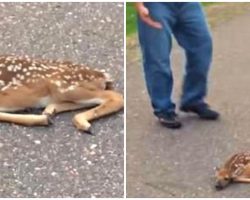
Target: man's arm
{"points": [[143, 13]]}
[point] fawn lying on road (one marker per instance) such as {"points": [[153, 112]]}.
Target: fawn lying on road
{"points": [[236, 169], [55, 86]]}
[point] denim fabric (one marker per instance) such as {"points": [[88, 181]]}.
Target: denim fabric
{"points": [[186, 21]]}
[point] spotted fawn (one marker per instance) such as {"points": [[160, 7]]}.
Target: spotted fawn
{"points": [[57, 87], [236, 169]]}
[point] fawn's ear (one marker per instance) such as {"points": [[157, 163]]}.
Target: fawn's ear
{"points": [[216, 169]]}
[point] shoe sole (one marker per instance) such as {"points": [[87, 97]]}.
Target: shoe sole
{"points": [[202, 117], [171, 126]]}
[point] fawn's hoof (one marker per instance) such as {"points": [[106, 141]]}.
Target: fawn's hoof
{"points": [[82, 125], [50, 120], [89, 132]]}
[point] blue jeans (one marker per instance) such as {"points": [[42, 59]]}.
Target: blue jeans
{"points": [[186, 21]]}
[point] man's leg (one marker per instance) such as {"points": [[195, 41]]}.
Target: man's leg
{"points": [[156, 45], [193, 35]]}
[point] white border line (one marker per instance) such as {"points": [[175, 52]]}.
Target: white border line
{"points": [[125, 102]]}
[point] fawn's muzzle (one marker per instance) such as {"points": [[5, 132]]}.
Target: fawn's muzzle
{"points": [[218, 186]]}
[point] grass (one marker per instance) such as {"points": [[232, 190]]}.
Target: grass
{"points": [[131, 17]]}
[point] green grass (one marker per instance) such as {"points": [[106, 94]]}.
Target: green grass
{"points": [[131, 17]]}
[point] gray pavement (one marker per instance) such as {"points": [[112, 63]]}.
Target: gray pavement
{"points": [[180, 163], [58, 161]]}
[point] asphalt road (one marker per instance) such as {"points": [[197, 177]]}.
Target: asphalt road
{"points": [[58, 161], [180, 163]]}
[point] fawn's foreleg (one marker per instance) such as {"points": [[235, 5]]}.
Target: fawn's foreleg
{"points": [[25, 119], [242, 180]]}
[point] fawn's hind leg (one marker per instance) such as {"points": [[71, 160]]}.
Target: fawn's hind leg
{"points": [[25, 119], [111, 102]]}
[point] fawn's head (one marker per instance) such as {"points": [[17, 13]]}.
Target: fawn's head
{"points": [[223, 178]]}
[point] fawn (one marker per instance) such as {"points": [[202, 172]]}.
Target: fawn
{"points": [[236, 169], [57, 87]]}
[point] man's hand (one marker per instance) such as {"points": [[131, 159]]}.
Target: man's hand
{"points": [[143, 13]]}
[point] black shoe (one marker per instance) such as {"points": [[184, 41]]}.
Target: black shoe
{"points": [[170, 121], [202, 110]]}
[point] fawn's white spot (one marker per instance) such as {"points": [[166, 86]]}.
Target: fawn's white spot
{"points": [[2, 83], [58, 83]]}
